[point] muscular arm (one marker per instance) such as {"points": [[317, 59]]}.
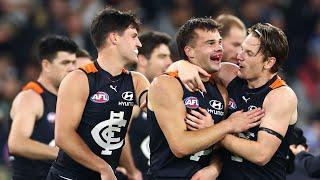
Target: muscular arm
{"points": [[26, 109], [72, 97], [165, 99], [278, 116]]}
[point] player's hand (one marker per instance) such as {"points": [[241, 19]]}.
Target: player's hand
{"points": [[107, 173], [297, 148], [242, 121], [198, 120], [206, 173], [135, 175], [191, 75]]}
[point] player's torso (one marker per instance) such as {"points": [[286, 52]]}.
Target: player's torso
{"points": [[106, 116], [163, 162], [243, 98]]}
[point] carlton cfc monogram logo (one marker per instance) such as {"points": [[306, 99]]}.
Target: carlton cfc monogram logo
{"points": [[191, 102], [103, 133]]}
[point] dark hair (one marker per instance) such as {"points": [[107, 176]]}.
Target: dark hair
{"points": [[273, 43], [50, 45], [228, 21], [151, 40], [83, 53], [187, 34], [111, 20]]}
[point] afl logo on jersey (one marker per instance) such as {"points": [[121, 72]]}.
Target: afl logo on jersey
{"points": [[191, 102], [100, 97], [51, 116], [232, 104]]}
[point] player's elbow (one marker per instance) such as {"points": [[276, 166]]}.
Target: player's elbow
{"points": [[59, 138], [14, 146], [178, 152], [262, 159]]}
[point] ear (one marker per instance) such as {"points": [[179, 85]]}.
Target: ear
{"points": [[113, 38], [45, 63], [189, 51], [268, 64]]}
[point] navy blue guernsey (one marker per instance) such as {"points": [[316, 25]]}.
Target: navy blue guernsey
{"points": [[235, 167], [139, 141], [43, 131], [163, 163], [104, 121]]}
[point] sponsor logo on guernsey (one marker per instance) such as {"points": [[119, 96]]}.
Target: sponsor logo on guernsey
{"points": [[232, 104], [100, 97], [51, 116], [252, 107], [217, 108], [128, 97], [191, 102], [215, 104]]}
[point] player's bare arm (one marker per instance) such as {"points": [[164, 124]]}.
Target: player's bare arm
{"points": [[278, 116], [191, 74], [26, 109], [72, 97]]}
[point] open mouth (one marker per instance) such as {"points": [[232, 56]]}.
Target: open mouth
{"points": [[216, 57], [136, 51]]}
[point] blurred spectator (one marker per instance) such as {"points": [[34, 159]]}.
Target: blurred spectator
{"points": [[307, 84]]}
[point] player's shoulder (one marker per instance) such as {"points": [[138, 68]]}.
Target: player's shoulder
{"points": [[27, 99], [166, 83], [281, 95], [76, 77], [137, 76]]}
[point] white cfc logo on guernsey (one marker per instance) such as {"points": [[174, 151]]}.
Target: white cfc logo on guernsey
{"points": [[103, 133]]}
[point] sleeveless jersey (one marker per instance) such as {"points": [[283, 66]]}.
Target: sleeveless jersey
{"points": [[104, 121], [43, 132], [235, 167], [163, 163], [139, 141]]}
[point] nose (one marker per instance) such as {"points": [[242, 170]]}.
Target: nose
{"points": [[240, 55], [72, 67], [168, 61], [139, 43]]}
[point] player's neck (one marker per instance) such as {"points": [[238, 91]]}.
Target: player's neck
{"points": [[110, 61], [260, 81], [46, 83]]}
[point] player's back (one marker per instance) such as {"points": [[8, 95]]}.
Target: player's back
{"points": [[163, 163], [43, 131]]}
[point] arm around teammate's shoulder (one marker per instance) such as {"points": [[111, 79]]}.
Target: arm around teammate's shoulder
{"points": [[26, 108]]}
